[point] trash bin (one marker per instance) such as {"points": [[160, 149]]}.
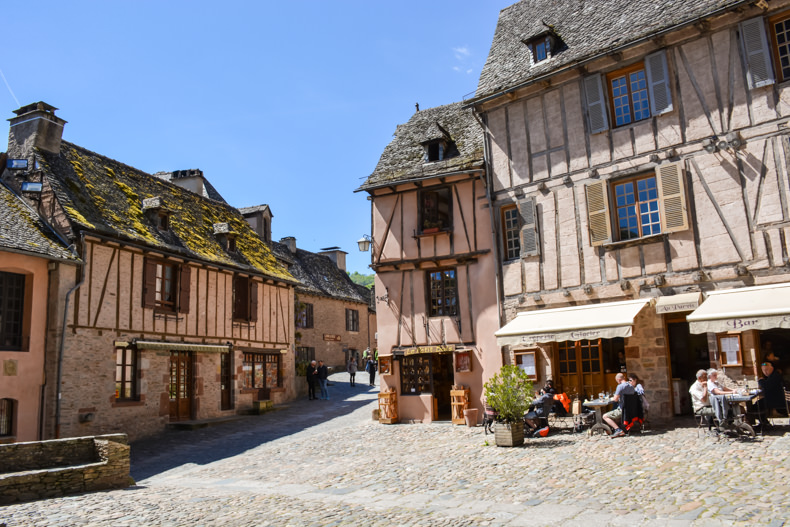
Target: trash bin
{"points": [[680, 396]]}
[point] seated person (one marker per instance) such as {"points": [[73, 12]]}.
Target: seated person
{"points": [[714, 386], [549, 387], [612, 418], [636, 382], [699, 398], [773, 390], [541, 407]]}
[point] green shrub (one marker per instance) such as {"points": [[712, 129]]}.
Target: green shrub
{"points": [[509, 392]]}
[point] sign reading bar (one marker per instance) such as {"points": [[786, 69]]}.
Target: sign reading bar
{"points": [[428, 349], [332, 338]]}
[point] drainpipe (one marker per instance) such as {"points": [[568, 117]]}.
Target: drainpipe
{"points": [[63, 340]]}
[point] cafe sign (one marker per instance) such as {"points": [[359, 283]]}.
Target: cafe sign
{"points": [[739, 324], [419, 350]]}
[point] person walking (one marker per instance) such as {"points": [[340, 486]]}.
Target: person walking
{"points": [[312, 379], [352, 370], [370, 367], [323, 376]]}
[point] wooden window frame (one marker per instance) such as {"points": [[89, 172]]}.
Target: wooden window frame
{"points": [[511, 232], [626, 72], [153, 283], [526, 353], [245, 298], [416, 374], [437, 309], [304, 319], [634, 181], [776, 55], [7, 421], [127, 374], [352, 320], [12, 311], [722, 353], [431, 217]]}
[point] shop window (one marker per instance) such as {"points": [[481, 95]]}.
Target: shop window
{"points": [[245, 299], [304, 318], [126, 374], [730, 350], [443, 290], [166, 286], [435, 208], [416, 374], [644, 205], [304, 355], [12, 303], [6, 417], [261, 370], [352, 320]]}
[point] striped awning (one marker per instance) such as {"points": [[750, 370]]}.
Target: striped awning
{"points": [[761, 307], [181, 346]]}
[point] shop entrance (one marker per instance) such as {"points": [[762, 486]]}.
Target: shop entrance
{"points": [[776, 341], [442, 370], [688, 353], [180, 385]]}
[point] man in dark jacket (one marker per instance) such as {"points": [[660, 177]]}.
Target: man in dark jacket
{"points": [[773, 390], [323, 375], [312, 379]]}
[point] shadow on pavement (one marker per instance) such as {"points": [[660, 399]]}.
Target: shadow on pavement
{"points": [[174, 448]]}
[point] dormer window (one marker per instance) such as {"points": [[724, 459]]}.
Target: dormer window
{"points": [[434, 151], [163, 221], [155, 211], [225, 237], [542, 46]]}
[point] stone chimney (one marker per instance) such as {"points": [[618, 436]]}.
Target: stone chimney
{"points": [[191, 180], [290, 241], [336, 255], [35, 126]]}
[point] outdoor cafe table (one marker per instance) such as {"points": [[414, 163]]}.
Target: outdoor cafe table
{"points": [[735, 402], [598, 405]]}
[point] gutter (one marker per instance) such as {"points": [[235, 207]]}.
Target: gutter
{"points": [[412, 180]]}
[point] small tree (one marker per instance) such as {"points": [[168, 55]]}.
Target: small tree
{"points": [[509, 392]]}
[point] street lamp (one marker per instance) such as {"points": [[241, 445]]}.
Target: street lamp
{"points": [[364, 243]]}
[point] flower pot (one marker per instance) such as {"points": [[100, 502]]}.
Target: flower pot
{"points": [[470, 416], [507, 434]]}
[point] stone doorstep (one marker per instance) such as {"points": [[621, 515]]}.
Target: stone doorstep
{"points": [[202, 423]]}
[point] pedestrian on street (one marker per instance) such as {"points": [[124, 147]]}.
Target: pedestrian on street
{"points": [[370, 367], [323, 376], [312, 379], [352, 370]]}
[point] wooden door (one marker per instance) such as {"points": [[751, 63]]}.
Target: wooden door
{"points": [[580, 368], [180, 385], [225, 381]]}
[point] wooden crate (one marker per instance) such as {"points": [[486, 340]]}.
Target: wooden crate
{"points": [[388, 407], [459, 399]]}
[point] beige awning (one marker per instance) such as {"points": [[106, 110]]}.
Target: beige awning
{"points": [[761, 307], [676, 303], [594, 321], [181, 346]]}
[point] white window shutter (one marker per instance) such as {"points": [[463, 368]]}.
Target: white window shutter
{"points": [[755, 50], [598, 220], [658, 83], [527, 211], [596, 104], [672, 196]]}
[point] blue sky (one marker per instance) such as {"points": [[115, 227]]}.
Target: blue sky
{"points": [[288, 103]]}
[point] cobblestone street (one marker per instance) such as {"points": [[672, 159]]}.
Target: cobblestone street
{"points": [[326, 463]]}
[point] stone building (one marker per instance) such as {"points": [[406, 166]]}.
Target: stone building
{"points": [[638, 165], [180, 311], [29, 250], [435, 268]]}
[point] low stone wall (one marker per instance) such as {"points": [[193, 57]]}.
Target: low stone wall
{"points": [[48, 469]]}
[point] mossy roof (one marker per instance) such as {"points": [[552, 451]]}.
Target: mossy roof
{"points": [[22, 230], [404, 158], [104, 196]]}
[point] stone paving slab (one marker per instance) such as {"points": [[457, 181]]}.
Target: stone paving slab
{"points": [[326, 463]]}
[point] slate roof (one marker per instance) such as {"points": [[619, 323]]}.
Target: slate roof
{"points": [[105, 196], [22, 230], [404, 158], [256, 208], [320, 276], [588, 28], [208, 189]]}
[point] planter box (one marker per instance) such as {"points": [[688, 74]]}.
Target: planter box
{"points": [[509, 434]]}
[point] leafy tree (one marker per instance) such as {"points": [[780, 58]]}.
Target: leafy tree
{"points": [[362, 279]]}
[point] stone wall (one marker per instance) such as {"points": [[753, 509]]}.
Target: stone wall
{"points": [[58, 467]]}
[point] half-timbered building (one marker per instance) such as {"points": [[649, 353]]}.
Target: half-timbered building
{"points": [[436, 302], [643, 148], [180, 311]]}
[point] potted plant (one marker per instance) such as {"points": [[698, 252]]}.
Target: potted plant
{"points": [[509, 392]]}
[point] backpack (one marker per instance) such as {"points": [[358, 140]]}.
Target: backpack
{"points": [[565, 400]]}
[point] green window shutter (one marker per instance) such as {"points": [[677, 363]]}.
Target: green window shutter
{"points": [[596, 104], [672, 195], [527, 211], [755, 50], [658, 83], [598, 220]]}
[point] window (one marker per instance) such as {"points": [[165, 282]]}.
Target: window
{"points": [[646, 204], [415, 374], [510, 232], [780, 41], [443, 293], [166, 286], [439, 149], [6, 417], [352, 320], [126, 374], [435, 210], [303, 357], [632, 94], [730, 350], [245, 299], [12, 302], [304, 318], [163, 221], [261, 370]]}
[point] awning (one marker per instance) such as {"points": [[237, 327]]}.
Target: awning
{"points": [[595, 321], [761, 307], [676, 303], [181, 346]]}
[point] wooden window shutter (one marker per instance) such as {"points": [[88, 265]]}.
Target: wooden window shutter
{"points": [[183, 289], [598, 213], [253, 301], [596, 104], [149, 283], [755, 50], [672, 195], [529, 228], [658, 83]]}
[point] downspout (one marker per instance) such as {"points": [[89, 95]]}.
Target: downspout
{"points": [[63, 340]]}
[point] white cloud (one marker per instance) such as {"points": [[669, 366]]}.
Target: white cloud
{"points": [[461, 53]]}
